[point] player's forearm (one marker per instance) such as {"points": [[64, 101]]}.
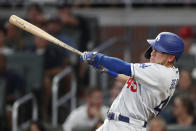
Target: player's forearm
{"points": [[113, 64], [120, 77]]}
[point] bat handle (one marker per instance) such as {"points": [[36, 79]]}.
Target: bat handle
{"points": [[78, 52]]}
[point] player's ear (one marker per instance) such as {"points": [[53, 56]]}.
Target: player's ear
{"points": [[171, 58]]}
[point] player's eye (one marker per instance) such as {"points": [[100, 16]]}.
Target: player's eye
{"points": [[159, 51]]}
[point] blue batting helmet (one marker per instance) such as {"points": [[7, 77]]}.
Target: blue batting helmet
{"points": [[166, 42]]}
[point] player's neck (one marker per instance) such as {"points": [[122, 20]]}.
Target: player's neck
{"points": [[169, 65], [168, 61]]}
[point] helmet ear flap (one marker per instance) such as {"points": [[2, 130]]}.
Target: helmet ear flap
{"points": [[148, 53]]}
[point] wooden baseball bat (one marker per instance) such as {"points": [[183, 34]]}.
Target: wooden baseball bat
{"points": [[17, 21]]}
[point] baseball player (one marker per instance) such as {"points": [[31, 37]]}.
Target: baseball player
{"points": [[149, 87]]}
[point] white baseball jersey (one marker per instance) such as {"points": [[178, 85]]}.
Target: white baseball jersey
{"points": [[147, 91]]}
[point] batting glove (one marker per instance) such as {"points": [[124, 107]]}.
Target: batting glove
{"points": [[88, 57]]}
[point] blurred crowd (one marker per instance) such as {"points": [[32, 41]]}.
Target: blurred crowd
{"points": [[93, 106], [65, 26]]}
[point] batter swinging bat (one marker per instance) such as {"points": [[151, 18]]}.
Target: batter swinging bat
{"points": [[15, 20]]}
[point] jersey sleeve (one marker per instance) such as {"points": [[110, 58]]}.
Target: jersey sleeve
{"points": [[147, 73]]}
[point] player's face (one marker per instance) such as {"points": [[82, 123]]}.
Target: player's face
{"points": [[159, 57]]}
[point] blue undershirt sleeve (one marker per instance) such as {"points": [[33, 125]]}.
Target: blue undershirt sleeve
{"points": [[113, 74], [113, 64]]}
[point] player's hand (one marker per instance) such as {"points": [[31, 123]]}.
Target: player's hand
{"points": [[99, 67], [88, 57]]}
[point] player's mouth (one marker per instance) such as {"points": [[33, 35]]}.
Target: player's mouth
{"points": [[151, 58]]}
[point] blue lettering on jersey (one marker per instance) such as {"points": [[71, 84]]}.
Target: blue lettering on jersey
{"points": [[160, 107], [174, 83], [144, 66]]}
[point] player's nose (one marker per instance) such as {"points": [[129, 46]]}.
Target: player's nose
{"points": [[153, 53]]}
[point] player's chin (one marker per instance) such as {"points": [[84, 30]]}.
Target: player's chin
{"points": [[152, 60]]}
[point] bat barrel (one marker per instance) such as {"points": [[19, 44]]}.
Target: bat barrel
{"points": [[17, 21]]}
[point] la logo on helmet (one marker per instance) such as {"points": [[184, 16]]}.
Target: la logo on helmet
{"points": [[158, 38]]}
